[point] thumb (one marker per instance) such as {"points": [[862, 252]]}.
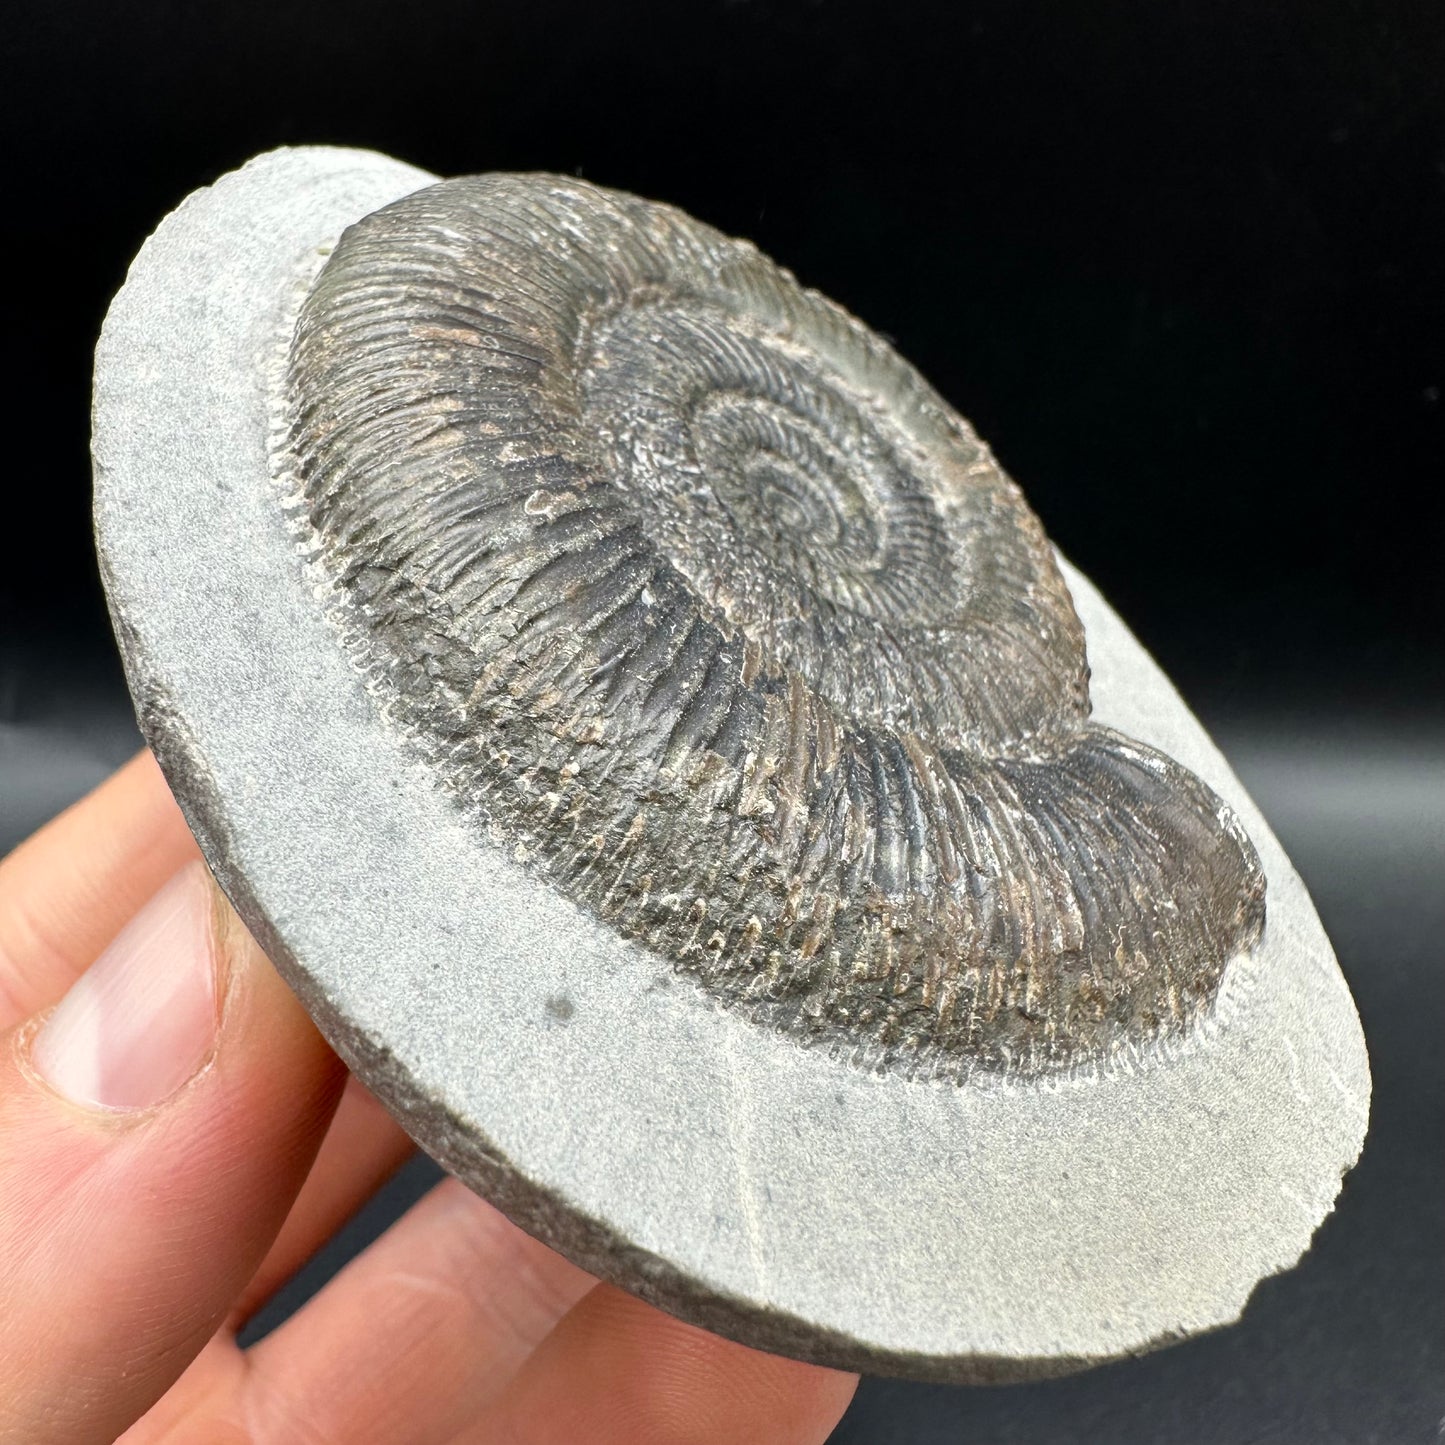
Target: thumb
{"points": [[154, 1129]]}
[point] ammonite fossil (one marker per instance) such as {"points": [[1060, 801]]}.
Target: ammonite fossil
{"points": [[656, 739], [711, 609]]}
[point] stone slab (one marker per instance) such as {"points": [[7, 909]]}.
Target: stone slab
{"points": [[728, 1174]]}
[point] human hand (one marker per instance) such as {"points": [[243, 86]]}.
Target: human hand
{"points": [[176, 1139]]}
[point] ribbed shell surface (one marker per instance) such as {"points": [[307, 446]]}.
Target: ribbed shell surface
{"points": [[704, 605]]}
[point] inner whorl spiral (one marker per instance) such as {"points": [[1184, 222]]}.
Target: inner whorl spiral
{"points": [[703, 603]]}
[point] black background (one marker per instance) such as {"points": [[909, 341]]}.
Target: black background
{"points": [[1182, 264]]}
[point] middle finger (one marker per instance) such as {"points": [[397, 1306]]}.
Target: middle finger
{"points": [[419, 1333], [363, 1147]]}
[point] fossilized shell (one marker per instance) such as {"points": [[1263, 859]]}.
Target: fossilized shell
{"points": [[701, 601]]}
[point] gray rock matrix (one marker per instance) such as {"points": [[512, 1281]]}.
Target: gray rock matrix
{"points": [[962, 1184]]}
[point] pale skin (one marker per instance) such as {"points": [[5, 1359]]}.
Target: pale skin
{"points": [[135, 1242]]}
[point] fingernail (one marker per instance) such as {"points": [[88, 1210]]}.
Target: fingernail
{"points": [[142, 1019]]}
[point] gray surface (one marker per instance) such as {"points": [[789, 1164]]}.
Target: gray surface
{"points": [[754, 1186]]}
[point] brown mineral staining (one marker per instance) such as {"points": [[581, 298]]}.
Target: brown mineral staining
{"points": [[692, 589]]}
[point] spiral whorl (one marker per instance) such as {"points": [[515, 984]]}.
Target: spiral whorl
{"points": [[700, 601]]}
